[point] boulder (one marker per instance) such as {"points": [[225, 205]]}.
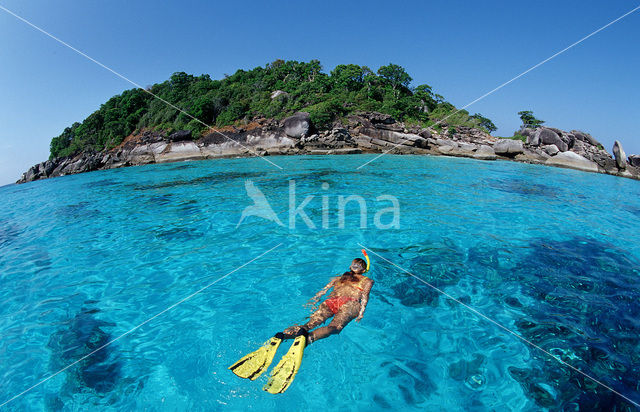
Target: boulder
{"points": [[621, 157], [572, 160], [425, 133], [446, 142], [297, 126], [527, 131], [568, 138], [585, 137], [336, 139], [533, 138], [445, 149], [485, 152], [556, 130], [467, 147], [395, 138], [176, 152], [508, 147], [380, 118], [547, 136], [31, 174], [551, 149], [532, 156], [180, 136], [634, 160]]}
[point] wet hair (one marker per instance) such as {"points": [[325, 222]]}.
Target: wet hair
{"points": [[358, 266]]}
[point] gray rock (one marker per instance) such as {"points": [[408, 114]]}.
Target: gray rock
{"points": [[176, 152], [572, 160], [556, 130], [297, 126], [380, 118], [569, 139], [381, 143], [425, 133], [485, 152], [336, 139], [527, 131], [533, 138], [395, 138], [277, 93], [157, 148], [139, 150], [548, 137], [410, 139], [634, 160], [551, 149], [585, 137], [46, 168], [445, 149], [31, 174], [467, 147], [534, 156], [621, 157], [446, 142], [508, 147], [180, 136]]}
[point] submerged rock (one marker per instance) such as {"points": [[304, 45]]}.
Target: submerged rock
{"points": [[100, 371]]}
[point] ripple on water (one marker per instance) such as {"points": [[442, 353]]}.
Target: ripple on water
{"points": [[549, 253]]}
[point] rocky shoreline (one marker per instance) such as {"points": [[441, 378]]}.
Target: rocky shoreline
{"points": [[361, 133]]}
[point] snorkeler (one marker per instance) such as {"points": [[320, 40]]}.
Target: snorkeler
{"points": [[346, 302]]}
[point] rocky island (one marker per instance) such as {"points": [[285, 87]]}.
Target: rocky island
{"points": [[292, 108], [363, 133]]}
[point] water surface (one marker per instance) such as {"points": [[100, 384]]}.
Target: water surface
{"points": [[552, 254]]}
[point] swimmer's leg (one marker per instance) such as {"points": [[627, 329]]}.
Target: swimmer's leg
{"points": [[347, 312], [317, 318]]}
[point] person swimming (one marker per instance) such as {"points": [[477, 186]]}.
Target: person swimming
{"points": [[346, 302]]}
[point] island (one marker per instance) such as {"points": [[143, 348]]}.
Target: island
{"points": [[294, 108]]}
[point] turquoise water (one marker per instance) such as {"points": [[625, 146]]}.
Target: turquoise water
{"points": [[552, 254]]}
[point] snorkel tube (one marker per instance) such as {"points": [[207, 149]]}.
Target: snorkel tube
{"points": [[364, 252]]}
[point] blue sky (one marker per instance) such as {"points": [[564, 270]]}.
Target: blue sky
{"points": [[462, 49]]}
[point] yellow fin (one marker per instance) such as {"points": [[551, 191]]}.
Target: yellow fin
{"points": [[252, 365], [287, 368]]}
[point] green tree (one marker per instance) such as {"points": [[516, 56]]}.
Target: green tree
{"points": [[396, 76], [424, 95], [246, 94], [348, 77], [529, 120], [484, 122]]}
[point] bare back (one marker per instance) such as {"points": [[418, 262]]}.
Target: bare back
{"points": [[354, 289]]}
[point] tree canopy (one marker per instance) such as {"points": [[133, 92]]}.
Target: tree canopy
{"points": [[529, 120], [245, 95]]}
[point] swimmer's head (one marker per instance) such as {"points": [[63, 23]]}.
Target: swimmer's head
{"points": [[358, 266]]}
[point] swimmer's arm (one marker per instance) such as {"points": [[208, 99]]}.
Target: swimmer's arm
{"points": [[323, 290], [364, 300]]}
